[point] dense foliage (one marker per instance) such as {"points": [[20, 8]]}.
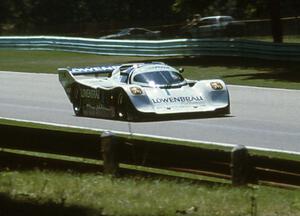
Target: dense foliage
{"points": [[71, 16], [241, 9]]}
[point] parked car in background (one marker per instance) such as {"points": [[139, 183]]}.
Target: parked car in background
{"points": [[133, 33], [214, 26]]}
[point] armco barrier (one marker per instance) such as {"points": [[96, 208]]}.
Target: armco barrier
{"points": [[176, 47], [151, 154]]}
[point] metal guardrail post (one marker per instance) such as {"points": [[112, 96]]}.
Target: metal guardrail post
{"points": [[240, 166], [109, 150]]}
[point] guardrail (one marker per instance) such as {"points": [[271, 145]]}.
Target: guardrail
{"points": [[236, 165], [176, 47]]}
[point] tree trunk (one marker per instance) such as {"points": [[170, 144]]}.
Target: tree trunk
{"points": [[275, 21]]}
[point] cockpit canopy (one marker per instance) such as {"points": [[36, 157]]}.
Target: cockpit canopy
{"points": [[149, 75], [158, 78]]}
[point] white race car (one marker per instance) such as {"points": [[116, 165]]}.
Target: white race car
{"points": [[141, 91]]}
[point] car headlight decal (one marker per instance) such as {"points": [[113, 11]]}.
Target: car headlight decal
{"points": [[216, 85], [136, 90]]}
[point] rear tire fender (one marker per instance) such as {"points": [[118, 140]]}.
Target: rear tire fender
{"points": [[123, 107], [76, 100]]}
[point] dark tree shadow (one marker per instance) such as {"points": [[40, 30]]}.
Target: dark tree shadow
{"points": [[288, 71], [10, 207]]}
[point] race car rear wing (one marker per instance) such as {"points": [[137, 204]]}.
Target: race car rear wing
{"points": [[103, 69], [67, 75]]}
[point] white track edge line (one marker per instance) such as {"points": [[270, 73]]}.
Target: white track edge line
{"points": [[152, 136]]}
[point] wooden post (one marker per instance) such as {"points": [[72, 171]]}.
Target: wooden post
{"points": [[109, 150], [240, 167]]}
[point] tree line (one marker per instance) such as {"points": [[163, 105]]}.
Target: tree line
{"points": [[54, 16]]}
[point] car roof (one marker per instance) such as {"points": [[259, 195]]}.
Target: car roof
{"points": [[151, 67], [215, 17], [132, 28], [142, 68]]}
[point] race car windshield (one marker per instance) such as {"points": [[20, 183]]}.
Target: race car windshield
{"points": [[162, 78]]}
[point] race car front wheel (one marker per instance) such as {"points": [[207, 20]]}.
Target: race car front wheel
{"points": [[77, 102]]}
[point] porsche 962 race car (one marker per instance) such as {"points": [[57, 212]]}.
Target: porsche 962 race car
{"points": [[139, 91]]}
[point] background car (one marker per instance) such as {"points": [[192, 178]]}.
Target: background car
{"points": [[133, 33], [214, 26]]}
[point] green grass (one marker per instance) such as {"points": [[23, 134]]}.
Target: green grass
{"points": [[29, 124], [237, 71], [49, 61], [286, 38], [242, 71], [94, 194], [37, 192]]}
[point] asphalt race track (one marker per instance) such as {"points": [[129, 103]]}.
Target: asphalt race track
{"points": [[261, 117]]}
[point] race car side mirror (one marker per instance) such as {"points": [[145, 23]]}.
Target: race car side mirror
{"points": [[181, 70]]}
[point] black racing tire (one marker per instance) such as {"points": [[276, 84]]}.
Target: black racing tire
{"points": [[123, 111], [227, 110], [223, 111], [77, 102]]}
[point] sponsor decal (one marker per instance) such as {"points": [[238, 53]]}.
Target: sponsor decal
{"points": [[183, 99], [90, 93], [94, 69], [150, 68]]}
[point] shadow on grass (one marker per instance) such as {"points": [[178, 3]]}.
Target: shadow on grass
{"points": [[269, 69], [23, 163], [276, 76], [9, 207]]}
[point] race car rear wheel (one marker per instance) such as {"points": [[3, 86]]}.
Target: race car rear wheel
{"points": [[77, 102], [123, 107]]}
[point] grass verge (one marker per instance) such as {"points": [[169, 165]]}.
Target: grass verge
{"points": [[286, 38], [29, 124], [277, 155], [42, 192], [241, 71]]}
